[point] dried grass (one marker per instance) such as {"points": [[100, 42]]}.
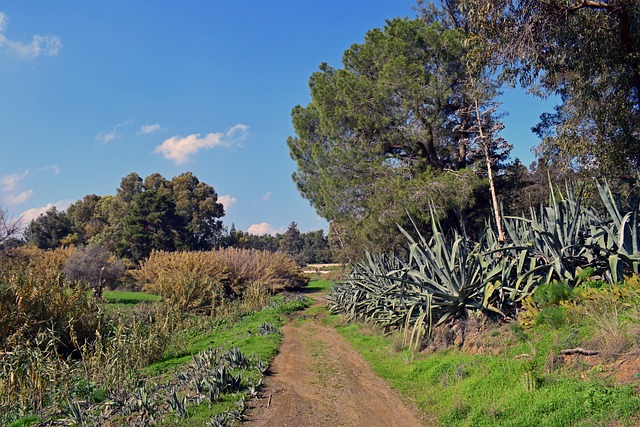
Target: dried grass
{"points": [[31, 303], [611, 333], [207, 281]]}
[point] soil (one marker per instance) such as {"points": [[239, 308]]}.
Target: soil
{"points": [[317, 379]]}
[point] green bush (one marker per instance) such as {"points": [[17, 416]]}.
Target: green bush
{"points": [[554, 316], [552, 293]]}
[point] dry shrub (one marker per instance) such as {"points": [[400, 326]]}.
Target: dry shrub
{"points": [[255, 296], [129, 340], [609, 314], [207, 281], [37, 261], [33, 377], [274, 272], [187, 280], [611, 336], [31, 303], [442, 338]]}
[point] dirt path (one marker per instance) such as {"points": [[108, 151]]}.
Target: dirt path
{"points": [[317, 379]]}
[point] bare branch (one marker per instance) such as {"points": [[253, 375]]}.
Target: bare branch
{"points": [[9, 226], [579, 350]]}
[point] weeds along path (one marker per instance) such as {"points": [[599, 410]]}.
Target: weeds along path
{"points": [[317, 379]]}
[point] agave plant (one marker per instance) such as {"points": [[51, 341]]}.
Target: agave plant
{"points": [[236, 358], [443, 280], [620, 236], [453, 277], [446, 278], [372, 293], [562, 238], [179, 405]]}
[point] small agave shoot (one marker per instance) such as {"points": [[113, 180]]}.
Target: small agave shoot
{"points": [[267, 328], [236, 359], [143, 403], [179, 405]]}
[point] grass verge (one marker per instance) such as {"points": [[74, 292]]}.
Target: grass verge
{"points": [[243, 334], [455, 388]]}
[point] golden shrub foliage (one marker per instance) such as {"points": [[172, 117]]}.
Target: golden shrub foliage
{"points": [[274, 272], [205, 280], [33, 302], [188, 280], [37, 261]]}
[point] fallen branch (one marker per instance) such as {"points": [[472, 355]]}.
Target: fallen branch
{"points": [[580, 351]]}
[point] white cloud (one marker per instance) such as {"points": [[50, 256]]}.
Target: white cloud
{"points": [[106, 137], [238, 133], [18, 199], [266, 196], [4, 23], [10, 185], [10, 182], [27, 216], [48, 45], [180, 149], [265, 228], [55, 168], [227, 201], [148, 129], [110, 135]]}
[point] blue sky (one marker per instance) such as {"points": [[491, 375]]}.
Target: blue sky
{"points": [[91, 91]]}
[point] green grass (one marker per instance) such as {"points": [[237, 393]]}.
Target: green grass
{"points": [[317, 286], [242, 334], [458, 389], [127, 298], [26, 421]]}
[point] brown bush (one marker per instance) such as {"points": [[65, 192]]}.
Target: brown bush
{"points": [[274, 272], [37, 261], [31, 303], [187, 280], [206, 280]]}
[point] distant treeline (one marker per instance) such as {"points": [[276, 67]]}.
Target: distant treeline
{"points": [[305, 248], [181, 214]]}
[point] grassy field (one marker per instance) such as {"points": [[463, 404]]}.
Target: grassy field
{"points": [[460, 389], [317, 285], [509, 377]]}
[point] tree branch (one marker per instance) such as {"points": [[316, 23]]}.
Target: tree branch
{"points": [[579, 350]]}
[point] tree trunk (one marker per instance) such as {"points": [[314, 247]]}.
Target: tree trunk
{"points": [[492, 187]]}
